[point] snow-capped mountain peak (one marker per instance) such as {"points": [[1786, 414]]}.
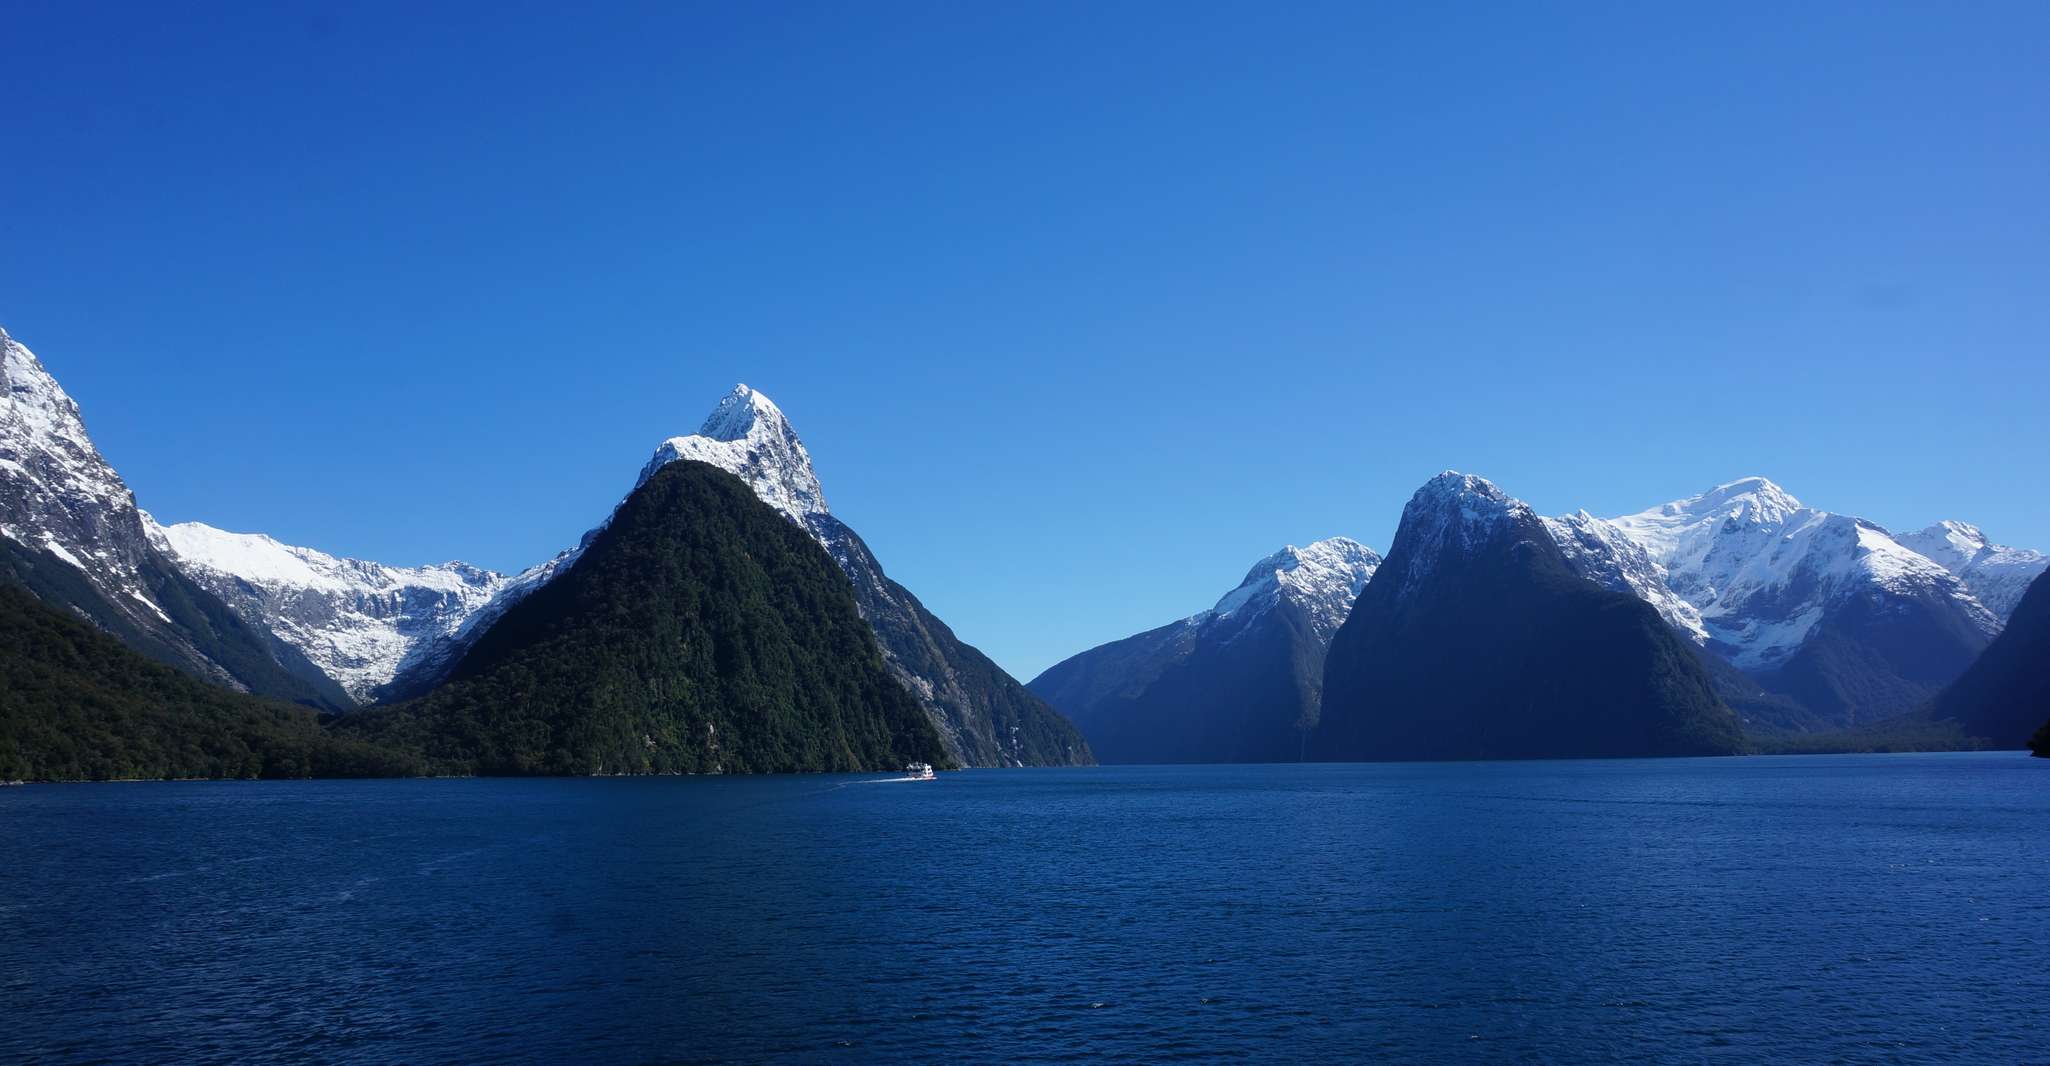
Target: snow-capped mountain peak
{"points": [[1758, 496], [1954, 544], [1996, 573], [1474, 501], [747, 436], [1670, 531], [739, 411], [1763, 570], [1323, 578]]}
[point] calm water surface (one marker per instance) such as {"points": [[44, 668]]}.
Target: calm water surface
{"points": [[1824, 909]]}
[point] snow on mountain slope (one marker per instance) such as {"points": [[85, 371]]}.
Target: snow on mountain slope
{"points": [[1449, 515], [1998, 575], [360, 622], [56, 491], [1322, 578], [1763, 570], [1604, 553], [748, 436]]}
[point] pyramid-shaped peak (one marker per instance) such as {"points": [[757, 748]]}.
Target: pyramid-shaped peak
{"points": [[747, 436], [742, 413], [1471, 494], [1763, 493]]}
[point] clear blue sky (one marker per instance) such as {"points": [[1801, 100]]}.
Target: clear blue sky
{"points": [[1081, 308]]}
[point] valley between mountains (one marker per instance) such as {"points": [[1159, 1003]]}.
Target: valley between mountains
{"points": [[722, 619]]}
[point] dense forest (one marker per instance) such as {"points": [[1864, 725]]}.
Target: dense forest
{"points": [[77, 704], [700, 631]]}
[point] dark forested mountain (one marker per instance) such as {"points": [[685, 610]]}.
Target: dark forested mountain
{"points": [[76, 704], [2005, 697], [985, 717], [71, 534], [1240, 682], [1476, 639], [698, 631]]}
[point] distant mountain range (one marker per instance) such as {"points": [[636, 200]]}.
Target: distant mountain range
{"points": [[1532, 632], [1806, 622]]}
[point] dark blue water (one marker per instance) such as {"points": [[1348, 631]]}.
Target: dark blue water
{"points": [[1829, 909]]}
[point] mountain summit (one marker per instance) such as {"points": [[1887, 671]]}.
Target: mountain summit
{"points": [[748, 436]]}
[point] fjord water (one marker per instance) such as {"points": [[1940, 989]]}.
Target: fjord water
{"points": [[1889, 908]]}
